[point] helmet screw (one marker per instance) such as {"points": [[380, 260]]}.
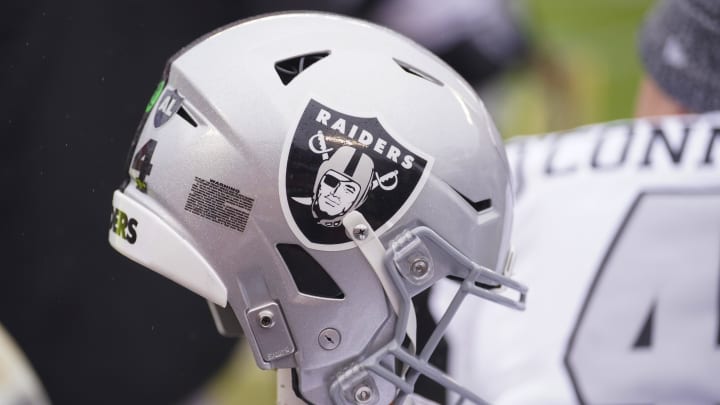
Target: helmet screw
{"points": [[360, 231], [329, 338], [363, 394], [266, 319], [419, 268]]}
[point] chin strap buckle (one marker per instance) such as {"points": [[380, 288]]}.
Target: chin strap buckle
{"points": [[413, 260], [411, 247]]}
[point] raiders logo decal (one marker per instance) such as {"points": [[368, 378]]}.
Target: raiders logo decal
{"points": [[336, 163]]}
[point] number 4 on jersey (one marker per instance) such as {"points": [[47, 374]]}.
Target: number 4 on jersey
{"points": [[650, 328], [141, 164]]}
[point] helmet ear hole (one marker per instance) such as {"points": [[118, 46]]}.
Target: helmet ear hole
{"points": [[309, 276]]}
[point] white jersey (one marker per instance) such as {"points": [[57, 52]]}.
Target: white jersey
{"points": [[617, 234]]}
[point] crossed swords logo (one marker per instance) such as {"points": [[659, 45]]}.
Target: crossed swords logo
{"points": [[318, 145]]}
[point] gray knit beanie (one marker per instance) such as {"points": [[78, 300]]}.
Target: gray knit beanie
{"points": [[680, 48]]}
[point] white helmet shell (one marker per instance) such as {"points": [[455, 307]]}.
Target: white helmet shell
{"points": [[263, 138]]}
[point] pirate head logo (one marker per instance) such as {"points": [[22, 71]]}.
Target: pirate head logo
{"points": [[342, 184], [337, 163]]}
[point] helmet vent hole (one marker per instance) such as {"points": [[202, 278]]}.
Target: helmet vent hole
{"points": [[477, 283], [309, 276], [478, 206], [417, 72], [290, 68], [182, 112]]}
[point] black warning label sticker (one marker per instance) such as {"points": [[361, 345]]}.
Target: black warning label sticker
{"points": [[219, 203]]}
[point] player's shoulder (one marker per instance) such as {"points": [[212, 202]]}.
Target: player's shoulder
{"points": [[656, 146]]}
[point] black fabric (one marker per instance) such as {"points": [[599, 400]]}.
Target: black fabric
{"points": [[74, 81]]}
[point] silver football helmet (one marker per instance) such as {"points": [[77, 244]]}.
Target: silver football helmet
{"points": [[309, 174]]}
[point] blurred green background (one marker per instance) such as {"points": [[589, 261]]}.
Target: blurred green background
{"points": [[582, 68]]}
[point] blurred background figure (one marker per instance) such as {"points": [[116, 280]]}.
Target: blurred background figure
{"points": [[478, 39], [678, 47], [617, 230]]}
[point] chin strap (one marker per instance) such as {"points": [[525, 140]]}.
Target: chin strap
{"points": [[285, 393], [360, 231]]}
